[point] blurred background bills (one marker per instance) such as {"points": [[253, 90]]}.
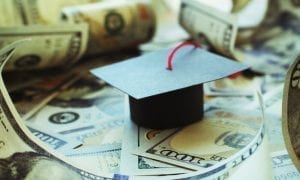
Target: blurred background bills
{"points": [[55, 114]]}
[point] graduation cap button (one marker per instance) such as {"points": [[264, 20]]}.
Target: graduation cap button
{"points": [[160, 98]]}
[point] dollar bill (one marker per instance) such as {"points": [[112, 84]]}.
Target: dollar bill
{"points": [[245, 159], [291, 113], [89, 111], [50, 46], [209, 26], [221, 134], [134, 137], [283, 167], [272, 46], [25, 153], [113, 24]]}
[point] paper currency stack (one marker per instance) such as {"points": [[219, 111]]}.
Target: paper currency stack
{"points": [[58, 121]]}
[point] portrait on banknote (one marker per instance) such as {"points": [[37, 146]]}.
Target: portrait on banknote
{"points": [[31, 165]]}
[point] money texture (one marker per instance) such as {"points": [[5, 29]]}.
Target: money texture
{"points": [[221, 134], [113, 25], [15, 13], [22, 155], [134, 137], [283, 167], [88, 111], [49, 46], [291, 113], [47, 11], [96, 158], [209, 26], [274, 43], [31, 98]]}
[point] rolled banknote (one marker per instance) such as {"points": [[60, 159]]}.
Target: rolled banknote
{"points": [[50, 46], [209, 26], [291, 112], [113, 25]]}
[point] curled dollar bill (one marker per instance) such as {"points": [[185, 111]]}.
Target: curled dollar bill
{"points": [[50, 46], [113, 25], [209, 26]]}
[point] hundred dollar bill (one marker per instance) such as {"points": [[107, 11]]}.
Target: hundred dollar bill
{"points": [[22, 155], [134, 137], [50, 46], [88, 111], [113, 25], [221, 134], [209, 26], [86, 102], [291, 112], [253, 153], [283, 167]]}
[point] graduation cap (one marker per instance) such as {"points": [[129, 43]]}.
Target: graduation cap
{"points": [[169, 96]]}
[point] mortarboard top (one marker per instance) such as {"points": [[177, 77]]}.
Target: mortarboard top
{"points": [[155, 91]]}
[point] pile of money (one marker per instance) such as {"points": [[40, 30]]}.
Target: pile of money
{"points": [[79, 127], [61, 32]]}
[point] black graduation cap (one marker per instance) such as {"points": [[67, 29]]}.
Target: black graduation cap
{"points": [[161, 97]]}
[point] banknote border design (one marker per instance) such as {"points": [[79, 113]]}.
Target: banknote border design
{"points": [[220, 170]]}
